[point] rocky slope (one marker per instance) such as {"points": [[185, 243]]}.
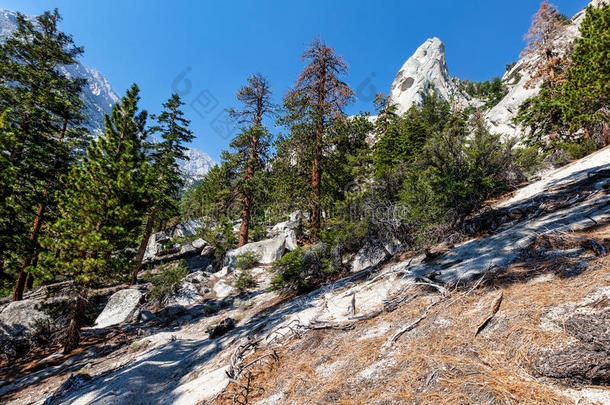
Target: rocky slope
{"points": [[99, 97], [518, 313]]}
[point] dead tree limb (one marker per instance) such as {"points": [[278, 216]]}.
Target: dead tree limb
{"points": [[494, 310], [413, 324]]}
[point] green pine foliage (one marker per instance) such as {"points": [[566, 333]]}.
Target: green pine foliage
{"points": [[41, 117], [102, 202], [492, 91], [165, 177], [567, 115], [585, 94]]}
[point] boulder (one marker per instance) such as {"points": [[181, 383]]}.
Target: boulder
{"points": [[269, 250], [188, 228], [121, 307], [188, 250], [156, 244], [207, 250], [199, 243], [221, 328], [291, 240], [172, 312], [282, 228], [222, 289], [372, 254], [296, 216], [146, 316], [19, 317], [187, 294], [197, 277]]}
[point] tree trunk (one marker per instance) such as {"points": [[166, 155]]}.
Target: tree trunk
{"points": [[21, 280], [29, 283], [316, 170], [315, 215], [245, 212], [144, 244], [29, 258], [73, 335]]}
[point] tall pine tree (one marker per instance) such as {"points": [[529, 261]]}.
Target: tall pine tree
{"points": [[101, 205], [313, 105], [585, 94], [44, 118], [164, 178], [251, 145]]}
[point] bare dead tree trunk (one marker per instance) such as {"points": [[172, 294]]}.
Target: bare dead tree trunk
{"points": [[145, 238], [73, 335]]}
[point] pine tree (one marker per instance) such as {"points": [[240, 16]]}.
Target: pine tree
{"points": [[315, 102], [45, 114], [101, 205], [585, 94], [165, 179], [252, 144]]}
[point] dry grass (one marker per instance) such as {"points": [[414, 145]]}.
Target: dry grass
{"points": [[441, 361]]}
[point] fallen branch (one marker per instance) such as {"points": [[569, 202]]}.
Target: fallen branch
{"points": [[494, 310], [413, 324], [317, 325]]}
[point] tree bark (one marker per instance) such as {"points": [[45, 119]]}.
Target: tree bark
{"points": [[73, 335], [145, 238], [21, 279], [245, 213], [29, 283]]}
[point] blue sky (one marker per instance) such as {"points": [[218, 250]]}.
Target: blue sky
{"points": [[217, 44]]}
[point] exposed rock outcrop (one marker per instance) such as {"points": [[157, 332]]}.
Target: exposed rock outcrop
{"points": [[426, 70]]}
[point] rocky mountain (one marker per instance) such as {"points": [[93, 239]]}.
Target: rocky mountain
{"points": [[99, 97], [426, 70], [198, 165]]}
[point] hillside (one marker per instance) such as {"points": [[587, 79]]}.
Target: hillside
{"points": [[517, 314], [453, 248]]}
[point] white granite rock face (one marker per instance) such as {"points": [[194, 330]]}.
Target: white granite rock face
{"points": [[425, 71], [120, 307]]}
